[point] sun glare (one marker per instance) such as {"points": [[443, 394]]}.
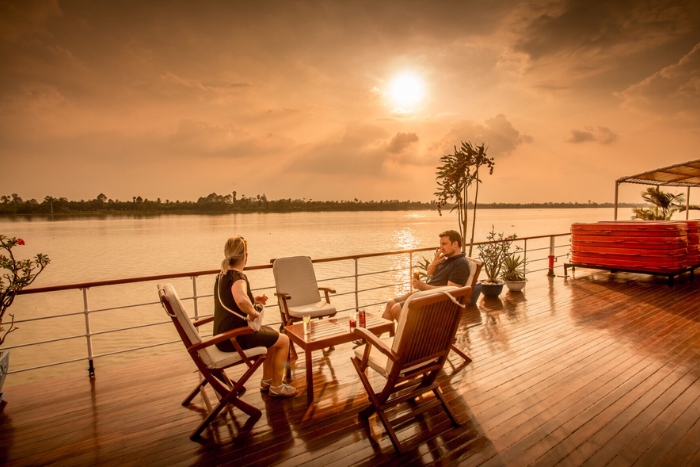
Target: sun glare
{"points": [[406, 90]]}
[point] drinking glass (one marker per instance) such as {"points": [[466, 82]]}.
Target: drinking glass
{"points": [[307, 324]]}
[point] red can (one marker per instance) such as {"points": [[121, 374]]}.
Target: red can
{"points": [[363, 319]]}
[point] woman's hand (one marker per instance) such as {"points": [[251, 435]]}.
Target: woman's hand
{"points": [[261, 299]]}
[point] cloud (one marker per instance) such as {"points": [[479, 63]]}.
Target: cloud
{"points": [[497, 133], [195, 138], [597, 28], [401, 141], [675, 88], [601, 134]]}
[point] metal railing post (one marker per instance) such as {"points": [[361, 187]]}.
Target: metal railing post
{"points": [[410, 270], [194, 296], [551, 256], [88, 333], [525, 258], [357, 298]]}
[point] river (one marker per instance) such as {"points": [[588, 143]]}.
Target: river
{"points": [[96, 248]]}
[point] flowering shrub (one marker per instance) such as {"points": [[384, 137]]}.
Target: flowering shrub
{"points": [[20, 273]]}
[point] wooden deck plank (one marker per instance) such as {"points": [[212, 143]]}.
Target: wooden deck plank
{"points": [[587, 371]]}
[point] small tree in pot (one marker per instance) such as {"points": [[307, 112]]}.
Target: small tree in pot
{"points": [[494, 254], [513, 273]]}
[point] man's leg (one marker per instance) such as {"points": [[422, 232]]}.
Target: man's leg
{"points": [[389, 309]]}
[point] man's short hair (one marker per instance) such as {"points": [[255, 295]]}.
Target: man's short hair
{"points": [[453, 235]]}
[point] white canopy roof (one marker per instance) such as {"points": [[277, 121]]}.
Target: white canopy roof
{"points": [[686, 175]]}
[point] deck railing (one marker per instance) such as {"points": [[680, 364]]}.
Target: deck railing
{"points": [[537, 260]]}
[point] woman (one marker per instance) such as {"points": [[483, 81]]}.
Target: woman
{"points": [[232, 290]]}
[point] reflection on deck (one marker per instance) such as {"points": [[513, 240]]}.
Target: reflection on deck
{"points": [[598, 369]]}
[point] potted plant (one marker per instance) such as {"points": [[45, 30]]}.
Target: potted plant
{"points": [[17, 275], [513, 273], [494, 254]]}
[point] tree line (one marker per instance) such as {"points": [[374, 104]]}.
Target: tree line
{"points": [[231, 203]]}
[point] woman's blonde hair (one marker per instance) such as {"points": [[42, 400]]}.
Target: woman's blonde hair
{"points": [[235, 250]]}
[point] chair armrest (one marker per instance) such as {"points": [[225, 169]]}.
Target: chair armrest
{"points": [[283, 296], [326, 291], [232, 334], [201, 321], [371, 339]]}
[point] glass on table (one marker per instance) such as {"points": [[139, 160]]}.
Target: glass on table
{"points": [[353, 320], [307, 324]]}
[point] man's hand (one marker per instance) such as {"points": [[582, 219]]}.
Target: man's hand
{"points": [[439, 256], [418, 284]]}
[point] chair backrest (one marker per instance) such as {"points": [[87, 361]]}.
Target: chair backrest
{"points": [[475, 266], [295, 276], [427, 325], [174, 308]]}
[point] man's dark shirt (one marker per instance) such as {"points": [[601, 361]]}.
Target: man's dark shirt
{"points": [[454, 269]]}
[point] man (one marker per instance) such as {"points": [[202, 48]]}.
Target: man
{"points": [[449, 267]]}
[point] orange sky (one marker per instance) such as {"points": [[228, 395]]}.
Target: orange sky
{"points": [[294, 99]]}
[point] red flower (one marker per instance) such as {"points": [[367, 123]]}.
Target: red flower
{"points": [[20, 241]]}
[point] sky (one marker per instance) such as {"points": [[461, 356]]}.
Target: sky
{"points": [[333, 100]]}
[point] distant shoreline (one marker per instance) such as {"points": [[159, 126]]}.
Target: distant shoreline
{"points": [[339, 207]]}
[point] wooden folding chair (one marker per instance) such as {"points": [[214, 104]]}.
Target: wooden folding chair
{"points": [[211, 361], [411, 361], [297, 291]]}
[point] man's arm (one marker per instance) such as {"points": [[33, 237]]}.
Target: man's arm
{"points": [[434, 264]]}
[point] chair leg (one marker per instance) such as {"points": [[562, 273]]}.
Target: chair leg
{"points": [[460, 353], [194, 392], [445, 406], [374, 403], [231, 398], [390, 431]]}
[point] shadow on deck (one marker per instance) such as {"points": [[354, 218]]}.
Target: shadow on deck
{"points": [[587, 371]]}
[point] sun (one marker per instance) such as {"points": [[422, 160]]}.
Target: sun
{"points": [[406, 90]]}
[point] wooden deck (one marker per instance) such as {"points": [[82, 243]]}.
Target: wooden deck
{"points": [[600, 370]]}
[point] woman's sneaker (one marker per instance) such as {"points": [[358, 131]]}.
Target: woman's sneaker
{"points": [[283, 390]]}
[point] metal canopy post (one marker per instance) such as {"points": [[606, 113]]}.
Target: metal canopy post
{"points": [[687, 204], [617, 187]]}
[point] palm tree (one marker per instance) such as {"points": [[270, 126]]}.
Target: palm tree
{"points": [[665, 204], [454, 177]]}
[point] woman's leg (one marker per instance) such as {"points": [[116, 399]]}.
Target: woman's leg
{"points": [[276, 359]]}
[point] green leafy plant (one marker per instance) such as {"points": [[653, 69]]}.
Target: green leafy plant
{"points": [[665, 205], [513, 268], [422, 269], [18, 275], [455, 175], [494, 254]]}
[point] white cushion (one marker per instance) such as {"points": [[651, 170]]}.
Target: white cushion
{"points": [[295, 276], [472, 272], [221, 359], [320, 308]]}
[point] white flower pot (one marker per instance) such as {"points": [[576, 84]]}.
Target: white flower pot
{"points": [[515, 286]]}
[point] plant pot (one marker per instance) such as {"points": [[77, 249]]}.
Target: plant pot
{"points": [[475, 294], [4, 364], [491, 289], [516, 286]]}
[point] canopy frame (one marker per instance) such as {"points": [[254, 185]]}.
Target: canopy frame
{"points": [[686, 174]]}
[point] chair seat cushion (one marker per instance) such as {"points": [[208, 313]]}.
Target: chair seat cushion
{"points": [[221, 359], [320, 308]]}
